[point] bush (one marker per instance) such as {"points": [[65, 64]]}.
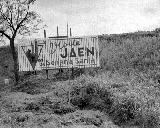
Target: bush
{"points": [[151, 120], [147, 119], [89, 94], [56, 106], [33, 107], [123, 113], [141, 54], [125, 103], [27, 87], [106, 98], [81, 102]]}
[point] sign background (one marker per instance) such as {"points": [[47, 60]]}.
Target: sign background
{"points": [[56, 53]]}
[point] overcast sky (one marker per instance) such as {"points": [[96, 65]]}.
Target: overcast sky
{"points": [[93, 17]]}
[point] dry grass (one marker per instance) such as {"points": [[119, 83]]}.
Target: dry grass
{"points": [[132, 102], [126, 90]]}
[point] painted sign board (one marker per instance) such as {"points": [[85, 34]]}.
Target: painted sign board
{"points": [[28, 54], [53, 53]]}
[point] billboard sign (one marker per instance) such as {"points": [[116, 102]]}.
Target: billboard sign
{"points": [[53, 53]]}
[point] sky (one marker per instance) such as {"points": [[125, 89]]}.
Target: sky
{"points": [[96, 17]]}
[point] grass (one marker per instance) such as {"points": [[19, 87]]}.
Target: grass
{"points": [[123, 92], [125, 103]]}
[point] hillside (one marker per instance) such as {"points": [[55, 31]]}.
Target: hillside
{"points": [[138, 50], [116, 51], [123, 93], [6, 63]]}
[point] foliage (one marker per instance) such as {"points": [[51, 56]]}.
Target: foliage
{"points": [[127, 91], [125, 53], [17, 18], [127, 103]]}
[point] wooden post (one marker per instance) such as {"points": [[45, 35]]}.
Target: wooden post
{"points": [[44, 33], [46, 67], [47, 74], [57, 32], [69, 96], [67, 29], [69, 92], [70, 32], [35, 73], [72, 72]]}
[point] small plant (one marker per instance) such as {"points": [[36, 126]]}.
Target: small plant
{"points": [[123, 113], [148, 119], [33, 107]]}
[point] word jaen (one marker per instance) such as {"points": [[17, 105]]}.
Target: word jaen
{"points": [[81, 52]]}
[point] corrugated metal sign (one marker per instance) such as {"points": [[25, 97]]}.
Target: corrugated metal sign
{"points": [[55, 53]]}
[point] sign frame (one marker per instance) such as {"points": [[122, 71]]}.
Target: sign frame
{"points": [[84, 48]]}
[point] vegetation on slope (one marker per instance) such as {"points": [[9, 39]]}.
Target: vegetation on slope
{"points": [[124, 90], [135, 51]]}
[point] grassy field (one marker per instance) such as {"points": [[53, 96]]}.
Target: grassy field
{"points": [[123, 93]]}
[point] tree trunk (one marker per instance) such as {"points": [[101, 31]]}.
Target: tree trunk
{"points": [[15, 59]]}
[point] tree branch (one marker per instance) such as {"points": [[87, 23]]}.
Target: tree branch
{"points": [[25, 18], [3, 33], [19, 25], [11, 21], [17, 15], [7, 19]]}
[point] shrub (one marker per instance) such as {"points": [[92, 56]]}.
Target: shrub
{"points": [[124, 112], [127, 102], [83, 95], [148, 119], [56, 106], [34, 107], [106, 99], [27, 87], [141, 54], [81, 102], [89, 94]]}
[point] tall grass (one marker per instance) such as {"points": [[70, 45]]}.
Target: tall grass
{"points": [[126, 87], [140, 54], [126, 102]]}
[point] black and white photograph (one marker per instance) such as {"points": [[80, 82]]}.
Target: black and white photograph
{"points": [[79, 63]]}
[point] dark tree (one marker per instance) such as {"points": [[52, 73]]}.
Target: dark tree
{"points": [[16, 18]]}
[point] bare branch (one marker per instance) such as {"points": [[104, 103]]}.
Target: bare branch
{"points": [[19, 24], [11, 19], [17, 18], [17, 15], [3, 33]]}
